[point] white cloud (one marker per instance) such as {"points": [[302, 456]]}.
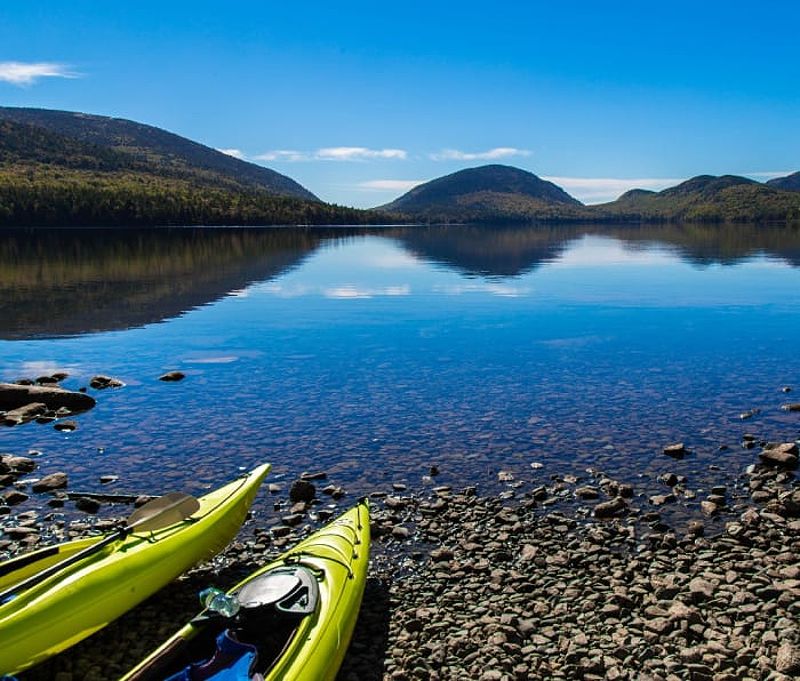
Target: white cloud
{"points": [[390, 185], [601, 189], [27, 73], [358, 153], [236, 153], [333, 154], [282, 155], [771, 174], [490, 155]]}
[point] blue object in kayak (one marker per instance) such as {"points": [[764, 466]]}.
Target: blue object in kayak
{"points": [[232, 661]]}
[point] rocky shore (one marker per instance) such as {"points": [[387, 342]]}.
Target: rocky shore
{"points": [[556, 577], [529, 584]]}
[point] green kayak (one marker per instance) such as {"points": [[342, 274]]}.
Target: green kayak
{"points": [[290, 620], [90, 588]]}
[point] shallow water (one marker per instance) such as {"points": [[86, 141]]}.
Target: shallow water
{"points": [[374, 354]]}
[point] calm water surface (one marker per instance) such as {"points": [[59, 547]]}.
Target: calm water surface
{"points": [[375, 354]]}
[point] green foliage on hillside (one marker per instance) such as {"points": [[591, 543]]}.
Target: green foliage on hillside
{"points": [[48, 195], [790, 183], [493, 193], [48, 179], [705, 199], [157, 151]]}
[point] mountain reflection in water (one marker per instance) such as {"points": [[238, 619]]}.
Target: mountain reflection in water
{"points": [[71, 282]]}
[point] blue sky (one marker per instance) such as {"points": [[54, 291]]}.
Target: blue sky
{"points": [[359, 100]]}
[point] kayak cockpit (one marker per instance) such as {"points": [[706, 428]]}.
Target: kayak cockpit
{"points": [[269, 612]]}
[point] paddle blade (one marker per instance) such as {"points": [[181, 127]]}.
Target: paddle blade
{"points": [[167, 510]]}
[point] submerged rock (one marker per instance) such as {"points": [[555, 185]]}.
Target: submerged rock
{"points": [[172, 376]]}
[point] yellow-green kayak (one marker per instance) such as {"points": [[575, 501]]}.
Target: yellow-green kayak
{"points": [[83, 597], [290, 620]]}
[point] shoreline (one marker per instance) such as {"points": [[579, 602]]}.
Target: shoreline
{"points": [[524, 585]]}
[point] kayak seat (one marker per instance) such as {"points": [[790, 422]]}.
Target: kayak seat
{"points": [[232, 660]]}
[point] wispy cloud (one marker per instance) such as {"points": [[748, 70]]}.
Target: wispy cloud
{"points": [[489, 155], [333, 154], [27, 73], [390, 185], [236, 153], [600, 189], [770, 174]]}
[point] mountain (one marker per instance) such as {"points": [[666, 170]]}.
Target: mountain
{"points": [[790, 183], [488, 193], [87, 171], [168, 154], [705, 198]]}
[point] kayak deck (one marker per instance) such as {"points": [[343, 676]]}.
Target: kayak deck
{"points": [[287, 646]]}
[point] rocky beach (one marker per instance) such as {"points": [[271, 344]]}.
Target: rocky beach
{"points": [[557, 576]]}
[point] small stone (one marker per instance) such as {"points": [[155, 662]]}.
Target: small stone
{"points": [[783, 455], [676, 451], [172, 376], [302, 490], [108, 479], [50, 482], [66, 426], [587, 492], [791, 407], [610, 509], [787, 659], [87, 505], [701, 588], [14, 497], [320, 475], [101, 382]]}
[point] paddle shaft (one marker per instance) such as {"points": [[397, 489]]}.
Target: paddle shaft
{"points": [[33, 580], [39, 577]]}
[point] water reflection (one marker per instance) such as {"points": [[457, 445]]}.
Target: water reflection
{"points": [[70, 282], [510, 251]]}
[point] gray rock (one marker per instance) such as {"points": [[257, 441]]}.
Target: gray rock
{"points": [[13, 396], [302, 490], [610, 509], [783, 455], [172, 376], [676, 451], [50, 482], [787, 659]]}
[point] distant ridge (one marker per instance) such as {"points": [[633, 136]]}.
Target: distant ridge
{"points": [[491, 192], [705, 198], [167, 152], [790, 183]]}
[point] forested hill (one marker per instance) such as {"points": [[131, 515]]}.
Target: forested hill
{"points": [[162, 152], [705, 198], [487, 193], [48, 178]]}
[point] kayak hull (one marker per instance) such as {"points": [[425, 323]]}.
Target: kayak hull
{"points": [[83, 598], [338, 554]]}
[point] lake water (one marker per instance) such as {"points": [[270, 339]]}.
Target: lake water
{"points": [[375, 354]]}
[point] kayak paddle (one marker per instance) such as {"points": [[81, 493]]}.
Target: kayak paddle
{"points": [[154, 515]]}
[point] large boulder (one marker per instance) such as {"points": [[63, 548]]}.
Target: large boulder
{"points": [[13, 396]]}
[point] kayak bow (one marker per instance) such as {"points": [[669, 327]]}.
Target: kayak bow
{"points": [[87, 594]]}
